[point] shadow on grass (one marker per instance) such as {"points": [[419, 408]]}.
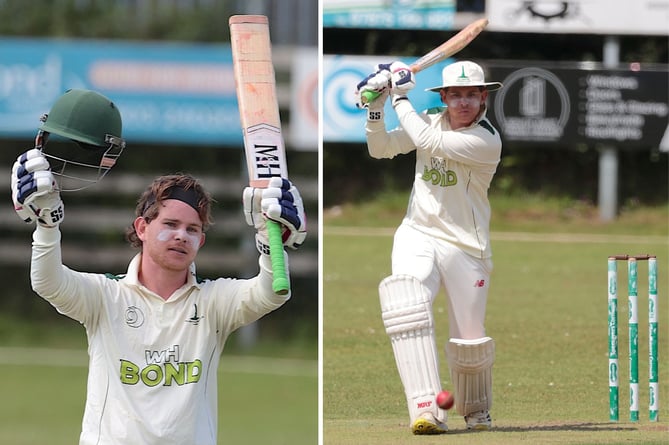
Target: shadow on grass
{"points": [[574, 427]]}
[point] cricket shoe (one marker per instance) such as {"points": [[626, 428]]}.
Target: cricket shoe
{"points": [[479, 421], [427, 424]]}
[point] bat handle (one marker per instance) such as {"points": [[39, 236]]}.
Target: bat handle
{"points": [[368, 96], [280, 283]]}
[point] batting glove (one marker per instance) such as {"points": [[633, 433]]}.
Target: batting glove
{"points": [[375, 108], [375, 84], [280, 202], [401, 82], [252, 202], [402, 79], [35, 191]]}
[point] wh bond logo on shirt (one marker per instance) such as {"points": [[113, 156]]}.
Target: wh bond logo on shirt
{"points": [[163, 368], [439, 173]]}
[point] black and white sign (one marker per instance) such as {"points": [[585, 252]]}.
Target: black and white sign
{"points": [[570, 106]]}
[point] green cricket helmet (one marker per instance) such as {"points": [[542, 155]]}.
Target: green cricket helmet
{"points": [[86, 117], [94, 123]]}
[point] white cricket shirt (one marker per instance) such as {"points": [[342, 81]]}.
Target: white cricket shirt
{"points": [[454, 168], [152, 369]]}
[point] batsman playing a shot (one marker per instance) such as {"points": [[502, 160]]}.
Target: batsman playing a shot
{"points": [[443, 239], [155, 333]]}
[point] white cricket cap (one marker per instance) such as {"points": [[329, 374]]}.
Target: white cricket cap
{"points": [[464, 74]]}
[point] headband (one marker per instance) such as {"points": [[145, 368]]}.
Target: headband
{"points": [[189, 196]]}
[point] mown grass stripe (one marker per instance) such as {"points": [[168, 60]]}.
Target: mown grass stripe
{"points": [[517, 236]]}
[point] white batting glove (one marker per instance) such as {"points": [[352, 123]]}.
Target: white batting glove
{"points": [[402, 79], [35, 191], [252, 203], [375, 84], [375, 108], [280, 202]]}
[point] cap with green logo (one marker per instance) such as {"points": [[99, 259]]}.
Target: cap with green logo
{"points": [[464, 74]]}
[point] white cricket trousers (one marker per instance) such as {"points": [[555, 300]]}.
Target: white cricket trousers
{"points": [[436, 262]]}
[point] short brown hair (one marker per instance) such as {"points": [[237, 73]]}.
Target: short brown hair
{"points": [[148, 205]]}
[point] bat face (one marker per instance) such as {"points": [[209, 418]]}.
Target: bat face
{"points": [[265, 151], [256, 96], [261, 125]]}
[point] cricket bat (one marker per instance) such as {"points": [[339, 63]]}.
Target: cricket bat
{"points": [[450, 47], [261, 126]]}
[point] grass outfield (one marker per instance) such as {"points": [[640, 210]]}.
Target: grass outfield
{"points": [[44, 404], [547, 312]]}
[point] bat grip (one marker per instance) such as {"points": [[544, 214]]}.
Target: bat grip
{"points": [[368, 96], [280, 283]]}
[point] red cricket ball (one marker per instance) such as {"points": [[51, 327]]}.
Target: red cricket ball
{"points": [[445, 400]]}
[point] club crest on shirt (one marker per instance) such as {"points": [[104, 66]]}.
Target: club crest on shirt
{"points": [[195, 319], [134, 317], [438, 174]]}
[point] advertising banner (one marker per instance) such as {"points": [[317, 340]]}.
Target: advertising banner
{"points": [[570, 106], [611, 17], [538, 106], [384, 14], [167, 92]]}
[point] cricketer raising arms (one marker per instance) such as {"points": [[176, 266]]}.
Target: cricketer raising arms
{"points": [[443, 239], [156, 333]]}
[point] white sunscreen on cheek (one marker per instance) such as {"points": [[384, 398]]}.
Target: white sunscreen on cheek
{"points": [[166, 235]]}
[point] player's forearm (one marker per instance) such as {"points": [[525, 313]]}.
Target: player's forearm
{"points": [[377, 139], [382, 144], [250, 299], [46, 262], [70, 292]]}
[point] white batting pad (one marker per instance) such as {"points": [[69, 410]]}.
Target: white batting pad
{"points": [[407, 316], [471, 362]]}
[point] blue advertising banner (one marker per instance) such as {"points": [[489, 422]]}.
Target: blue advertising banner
{"points": [[342, 120], [167, 92], [384, 14]]}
